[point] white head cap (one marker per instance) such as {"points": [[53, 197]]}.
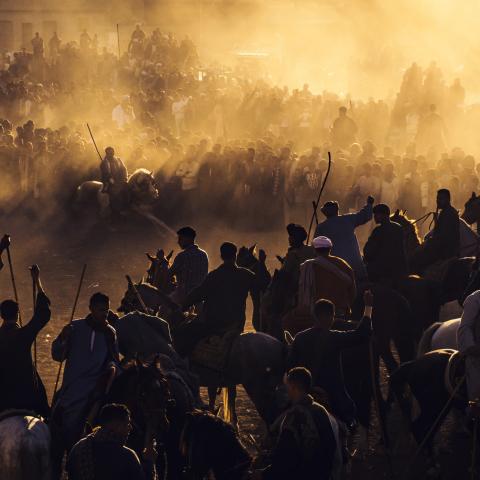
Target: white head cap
{"points": [[322, 242]]}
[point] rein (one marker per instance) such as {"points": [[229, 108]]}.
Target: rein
{"points": [[424, 218]]}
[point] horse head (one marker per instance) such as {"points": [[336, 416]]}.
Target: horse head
{"points": [[410, 231], [471, 212], [246, 257], [144, 389], [159, 274], [209, 443], [142, 187]]}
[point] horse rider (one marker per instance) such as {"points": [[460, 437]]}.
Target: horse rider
{"points": [[307, 446], [103, 453], [326, 276], [224, 293], [114, 178], [22, 387], [190, 267], [90, 350], [298, 252], [384, 253], [320, 348], [340, 229], [469, 346], [443, 242]]}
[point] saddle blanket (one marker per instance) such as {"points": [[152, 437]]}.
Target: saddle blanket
{"points": [[214, 352]]}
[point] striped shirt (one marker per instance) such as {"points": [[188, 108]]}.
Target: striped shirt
{"points": [[190, 268]]}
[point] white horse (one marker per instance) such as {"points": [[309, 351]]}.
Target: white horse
{"points": [[438, 336], [24, 448]]}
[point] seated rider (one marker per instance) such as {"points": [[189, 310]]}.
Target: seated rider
{"points": [[190, 267], [340, 229], [298, 252], [114, 178], [224, 293], [21, 386], [307, 446], [326, 276], [443, 242], [319, 349], [384, 252]]}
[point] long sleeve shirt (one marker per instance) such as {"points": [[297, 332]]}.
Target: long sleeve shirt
{"points": [[190, 268], [20, 383], [341, 231]]}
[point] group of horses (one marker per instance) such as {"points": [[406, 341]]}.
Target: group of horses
{"points": [[159, 388]]}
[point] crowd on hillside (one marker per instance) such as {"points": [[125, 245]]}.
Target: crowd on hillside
{"points": [[222, 143]]}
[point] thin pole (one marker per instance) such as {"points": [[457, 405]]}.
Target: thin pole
{"points": [[71, 320], [34, 290], [94, 143], [14, 285], [137, 294], [315, 204], [118, 40]]}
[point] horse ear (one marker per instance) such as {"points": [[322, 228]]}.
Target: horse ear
{"points": [[473, 195], [252, 248], [397, 212], [169, 256]]}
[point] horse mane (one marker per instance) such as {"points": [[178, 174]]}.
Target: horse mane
{"points": [[137, 173], [406, 222]]}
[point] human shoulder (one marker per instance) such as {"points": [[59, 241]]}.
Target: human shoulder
{"points": [[339, 262]]}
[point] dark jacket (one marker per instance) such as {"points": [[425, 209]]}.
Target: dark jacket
{"points": [[304, 452], [445, 237], [113, 169], [224, 292], [320, 351], [384, 253], [111, 461], [20, 385]]}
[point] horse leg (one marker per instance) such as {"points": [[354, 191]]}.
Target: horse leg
{"points": [[212, 396], [232, 397]]}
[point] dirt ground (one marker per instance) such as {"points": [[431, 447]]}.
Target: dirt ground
{"points": [[61, 252]]}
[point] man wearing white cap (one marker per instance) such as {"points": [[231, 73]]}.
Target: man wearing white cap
{"points": [[327, 277]]}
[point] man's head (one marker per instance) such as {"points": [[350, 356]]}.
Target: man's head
{"points": [[296, 235], [330, 209], [342, 111], [299, 383], [324, 313], [381, 213], [9, 311], [109, 152], [228, 252], [115, 418], [186, 237], [322, 245], [99, 307], [443, 198]]}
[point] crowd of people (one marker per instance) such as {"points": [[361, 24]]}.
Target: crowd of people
{"points": [[224, 144]]}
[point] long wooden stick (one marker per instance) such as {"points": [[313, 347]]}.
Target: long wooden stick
{"points": [[14, 285], [34, 290], [137, 294], [94, 143], [71, 320]]}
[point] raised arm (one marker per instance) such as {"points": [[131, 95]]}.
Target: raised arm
{"points": [[364, 215]]}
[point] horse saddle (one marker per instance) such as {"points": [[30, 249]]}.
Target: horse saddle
{"points": [[213, 352], [454, 372], [438, 270]]}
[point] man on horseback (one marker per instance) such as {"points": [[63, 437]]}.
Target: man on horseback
{"points": [[92, 456], [326, 276], [384, 252], [340, 229], [298, 252], [224, 293], [22, 387], [443, 242], [88, 347], [114, 178], [190, 267], [319, 349], [307, 447]]}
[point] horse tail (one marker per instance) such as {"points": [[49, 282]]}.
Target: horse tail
{"points": [[227, 413], [425, 344]]}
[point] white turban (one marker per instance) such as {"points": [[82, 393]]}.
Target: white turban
{"points": [[322, 242]]}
